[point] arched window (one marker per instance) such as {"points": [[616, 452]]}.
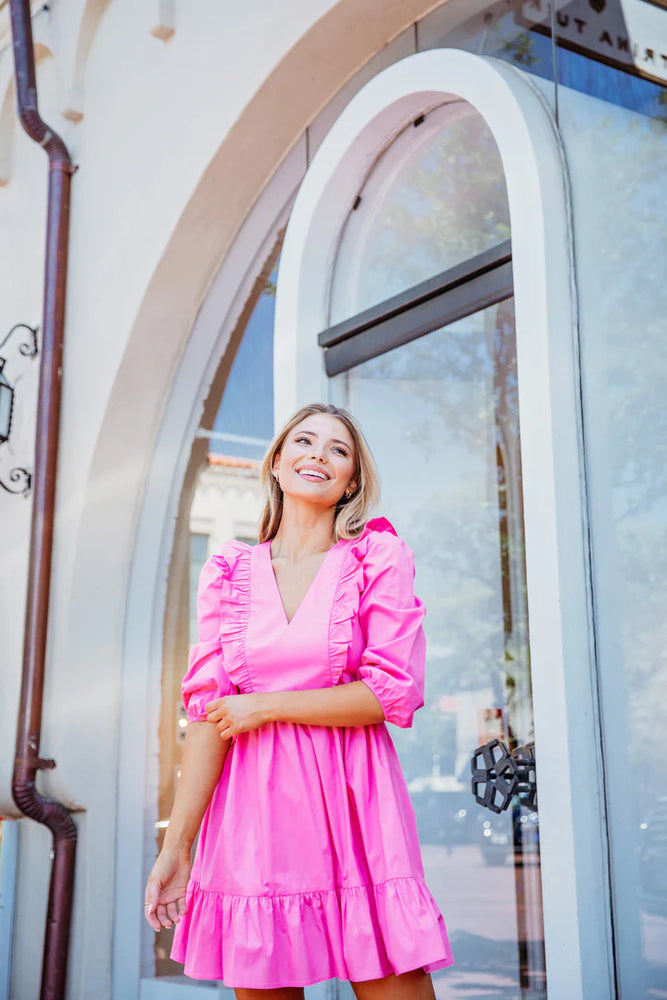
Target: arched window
{"points": [[422, 350]]}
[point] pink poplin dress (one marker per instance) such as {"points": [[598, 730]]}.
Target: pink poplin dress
{"points": [[308, 865]]}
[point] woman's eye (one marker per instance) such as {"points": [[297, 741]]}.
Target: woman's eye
{"points": [[304, 440], [341, 451]]}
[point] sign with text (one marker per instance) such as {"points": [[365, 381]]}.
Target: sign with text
{"points": [[630, 34]]}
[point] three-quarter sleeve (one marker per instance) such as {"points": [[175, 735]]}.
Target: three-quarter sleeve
{"points": [[393, 662], [206, 678]]}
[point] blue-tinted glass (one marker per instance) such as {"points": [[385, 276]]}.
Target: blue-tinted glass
{"points": [[610, 84], [246, 410]]}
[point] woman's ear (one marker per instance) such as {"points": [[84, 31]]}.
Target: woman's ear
{"points": [[276, 464]]}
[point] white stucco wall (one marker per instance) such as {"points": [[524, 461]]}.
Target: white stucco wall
{"points": [[175, 139]]}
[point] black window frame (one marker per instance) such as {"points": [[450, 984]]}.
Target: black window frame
{"points": [[460, 291]]}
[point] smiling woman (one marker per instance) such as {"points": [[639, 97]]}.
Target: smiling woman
{"points": [[327, 439], [308, 643]]}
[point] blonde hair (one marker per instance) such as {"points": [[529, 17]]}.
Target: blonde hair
{"points": [[351, 512]]}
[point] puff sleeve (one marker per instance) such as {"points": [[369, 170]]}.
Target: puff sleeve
{"points": [[393, 662], [206, 678]]}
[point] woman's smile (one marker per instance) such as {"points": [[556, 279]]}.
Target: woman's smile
{"points": [[313, 474]]}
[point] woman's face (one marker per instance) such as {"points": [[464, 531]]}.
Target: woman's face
{"points": [[317, 460]]}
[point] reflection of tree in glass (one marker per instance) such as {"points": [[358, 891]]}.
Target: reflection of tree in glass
{"points": [[623, 231], [441, 369], [477, 610], [626, 236], [450, 205], [521, 49]]}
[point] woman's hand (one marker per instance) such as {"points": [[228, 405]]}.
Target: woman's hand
{"points": [[165, 889], [237, 713]]}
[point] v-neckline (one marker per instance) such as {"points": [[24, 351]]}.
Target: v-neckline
{"points": [[279, 600]]}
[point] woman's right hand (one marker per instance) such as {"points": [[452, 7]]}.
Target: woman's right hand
{"points": [[165, 889]]}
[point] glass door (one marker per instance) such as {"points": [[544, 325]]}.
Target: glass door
{"points": [[441, 415]]}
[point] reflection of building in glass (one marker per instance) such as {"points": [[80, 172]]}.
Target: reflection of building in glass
{"points": [[227, 501], [467, 248]]}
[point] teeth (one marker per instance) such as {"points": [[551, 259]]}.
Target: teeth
{"points": [[312, 472]]}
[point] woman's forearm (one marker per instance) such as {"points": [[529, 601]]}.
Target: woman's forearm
{"points": [[204, 755], [352, 704]]}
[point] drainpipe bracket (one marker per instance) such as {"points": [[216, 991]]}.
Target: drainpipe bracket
{"points": [[65, 166], [38, 763]]}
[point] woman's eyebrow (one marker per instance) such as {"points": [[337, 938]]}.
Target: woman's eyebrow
{"points": [[335, 440]]}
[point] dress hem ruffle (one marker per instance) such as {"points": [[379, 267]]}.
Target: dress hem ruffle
{"points": [[299, 939]]}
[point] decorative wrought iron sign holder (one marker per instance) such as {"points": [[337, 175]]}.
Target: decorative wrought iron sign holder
{"points": [[19, 479]]}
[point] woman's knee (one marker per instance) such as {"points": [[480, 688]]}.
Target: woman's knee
{"points": [[415, 985]]}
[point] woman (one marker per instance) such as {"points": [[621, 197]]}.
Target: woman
{"points": [[308, 865]]}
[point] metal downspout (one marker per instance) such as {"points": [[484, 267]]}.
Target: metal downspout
{"points": [[27, 761]]}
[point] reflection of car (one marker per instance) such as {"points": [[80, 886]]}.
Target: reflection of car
{"points": [[515, 832], [444, 811]]}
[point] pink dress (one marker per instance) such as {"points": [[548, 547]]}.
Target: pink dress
{"points": [[308, 865]]}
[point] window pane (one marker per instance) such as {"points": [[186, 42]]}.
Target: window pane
{"points": [[435, 198], [239, 429], [617, 160], [441, 415]]}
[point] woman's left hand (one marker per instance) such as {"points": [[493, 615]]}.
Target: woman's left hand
{"points": [[237, 713]]}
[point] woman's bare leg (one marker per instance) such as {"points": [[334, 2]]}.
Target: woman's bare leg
{"points": [[284, 993], [415, 985]]}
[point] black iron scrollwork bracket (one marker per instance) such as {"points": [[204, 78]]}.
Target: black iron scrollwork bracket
{"points": [[19, 482], [29, 347], [19, 479], [498, 775]]}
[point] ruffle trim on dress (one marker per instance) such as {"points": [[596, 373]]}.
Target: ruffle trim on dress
{"points": [[234, 563], [346, 599], [265, 942]]}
